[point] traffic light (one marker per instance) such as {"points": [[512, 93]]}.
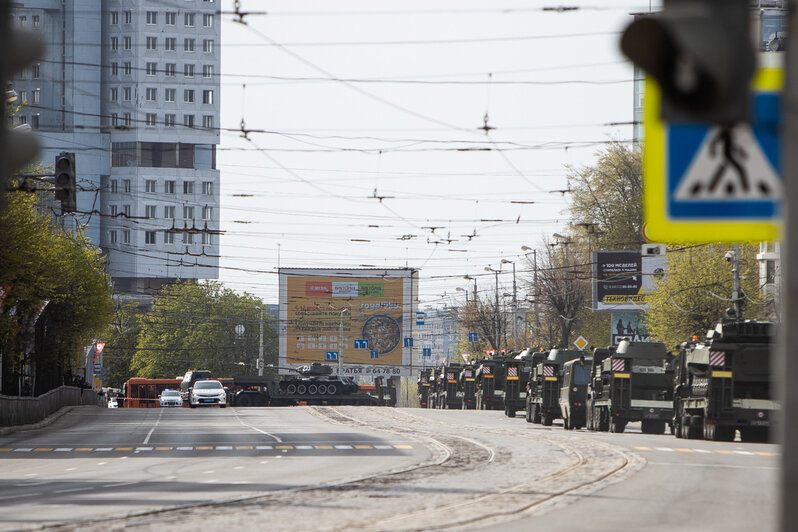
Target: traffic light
{"points": [[65, 186], [702, 55], [19, 49]]}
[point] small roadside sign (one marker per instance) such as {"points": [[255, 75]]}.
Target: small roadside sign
{"points": [[426, 352], [408, 342], [473, 337], [331, 355], [581, 343], [361, 344], [708, 183], [374, 354]]}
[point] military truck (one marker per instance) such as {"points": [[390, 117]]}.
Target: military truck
{"points": [[467, 387], [424, 388], [631, 382], [543, 402], [573, 392], [723, 384], [447, 396], [490, 376], [516, 371]]}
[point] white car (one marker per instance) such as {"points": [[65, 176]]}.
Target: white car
{"points": [[171, 398], [112, 403], [208, 393]]}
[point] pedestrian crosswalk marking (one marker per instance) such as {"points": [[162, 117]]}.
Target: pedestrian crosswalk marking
{"points": [[324, 447]]}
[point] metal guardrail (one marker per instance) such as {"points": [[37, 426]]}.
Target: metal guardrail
{"points": [[28, 410]]}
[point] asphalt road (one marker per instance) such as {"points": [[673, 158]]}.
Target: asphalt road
{"points": [[362, 468]]}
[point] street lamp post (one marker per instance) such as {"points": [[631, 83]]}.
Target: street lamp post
{"points": [[341, 343], [260, 343], [496, 309], [515, 303], [535, 282]]}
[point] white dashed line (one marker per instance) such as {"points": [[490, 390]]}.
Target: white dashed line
{"points": [[119, 484], [224, 447], [103, 449], [71, 490], [63, 449], [264, 447], [143, 449], [343, 446]]}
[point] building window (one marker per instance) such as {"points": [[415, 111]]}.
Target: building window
{"points": [[149, 185], [188, 213], [169, 187], [207, 213], [128, 43], [114, 17], [207, 71], [36, 21], [207, 97], [114, 186], [207, 121], [114, 43], [152, 69], [128, 17], [126, 189], [188, 120], [34, 121], [188, 70], [112, 210], [207, 20], [114, 119], [128, 68], [169, 95], [149, 237], [151, 94], [169, 44], [126, 210], [188, 95], [170, 69], [126, 93], [114, 94], [127, 119], [126, 236], [149, 211], [188, 20], [112, 237], [188, 45], [169, 211], [171, 18], [23, 20], [770, 271], [37, 95], [188, 187], [114, 69], [36, 71], [23, 97], [207, 239], [207, 188], [152, 18], [207, 46], [188, 238], [168, 238], [169, 120], [152, 43]]}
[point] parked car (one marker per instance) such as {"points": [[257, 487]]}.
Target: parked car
{"points": [[171, 398], [112, 403], [208, 393]]}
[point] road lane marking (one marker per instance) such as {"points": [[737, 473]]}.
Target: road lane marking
{"points": [[384, 447], [724, 451], [269, 434], [63, 449], [124, 448], [43, 449], [363, 447], [23, 449], [743, 452], [163, 448], [402, 446], [20, 495], [84, 449], [224, 447], [5, 449], [264, 447], [101, 463], [719, 466], [702, 451], [25, 484], [243, 447], [71, 490], [239, 467], [684, 450], [666, 449], [207, 472], [119, 484], [284, 447], [138, 449], [204, 448], [103, 449], [762, 453], [324, 446], [303, 447], [184, 448], [147, 439], [343, 446]]}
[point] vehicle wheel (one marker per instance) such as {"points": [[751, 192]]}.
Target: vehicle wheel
{"points": [[709, 431], [618, 425], [223, 405], [724, 433], [301, 389], [677, 429], [313, 389], [536, 415], [322, 389], [693, 432], [528, 416], [547, 419], [511, 412], [291, 388], [332, 389], [566, 423], [604, 420], [754, 434], [243, 400]]}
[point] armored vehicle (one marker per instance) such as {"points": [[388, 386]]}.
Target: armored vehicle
{"points": [[573, 392], [543, 404], [424, 388], [467, 387], [631, 382], [723, 384], [490, 374], [516, 370], [447, 387]]}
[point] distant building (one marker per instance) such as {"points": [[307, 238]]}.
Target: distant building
{"points": [[438, 334], [132, 87]]}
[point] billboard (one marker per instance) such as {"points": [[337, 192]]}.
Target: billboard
{"points": [[621, 279], [355, 319], [628, 325]]}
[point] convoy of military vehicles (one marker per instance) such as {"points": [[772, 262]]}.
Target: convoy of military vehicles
{"points": [[708, 388]]}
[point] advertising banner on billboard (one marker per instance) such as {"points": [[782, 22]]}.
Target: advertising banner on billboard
{"points": [[621, 279], [355, 318], [628, 325]]}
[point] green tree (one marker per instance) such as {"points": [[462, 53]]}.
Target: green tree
{"points": [[121, 337], [607, 199], [58, 300], [697, 290], [193, 326]]}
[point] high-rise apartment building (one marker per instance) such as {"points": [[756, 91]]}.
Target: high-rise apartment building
{"points": [[133, 90]]}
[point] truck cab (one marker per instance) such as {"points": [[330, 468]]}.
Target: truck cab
{"points": [[573, 392]]}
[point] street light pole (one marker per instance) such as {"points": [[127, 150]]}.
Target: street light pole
{"points": [[515, 304], [496, 308], [535, 282], [341, 343]]}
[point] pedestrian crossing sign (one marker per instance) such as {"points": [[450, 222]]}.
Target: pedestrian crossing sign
{"points": [[704, 182]]}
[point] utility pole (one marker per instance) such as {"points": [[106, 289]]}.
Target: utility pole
{"points": [[260, 344], [737, 290], [515, 304], [785, 366], [496, 308]]}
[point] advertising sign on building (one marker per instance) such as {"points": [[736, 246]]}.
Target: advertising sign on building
{"points": [[628, 325], [621, 279], [332, 310]]}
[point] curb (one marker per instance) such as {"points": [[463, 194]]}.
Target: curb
{"points": [[41, 424]]}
